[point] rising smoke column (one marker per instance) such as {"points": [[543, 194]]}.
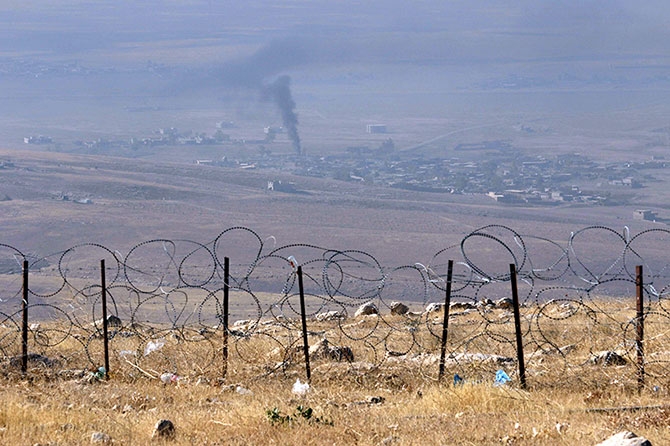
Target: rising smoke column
{"points": [[270, 60], [279, 92]]}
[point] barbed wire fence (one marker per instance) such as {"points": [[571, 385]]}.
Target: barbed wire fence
{"points": [[576, 315]]}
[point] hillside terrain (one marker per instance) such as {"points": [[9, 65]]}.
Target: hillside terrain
{"points": [[57, 200]]}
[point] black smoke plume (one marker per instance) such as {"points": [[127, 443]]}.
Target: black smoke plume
{"points": [[254, 71], [279, 92]]}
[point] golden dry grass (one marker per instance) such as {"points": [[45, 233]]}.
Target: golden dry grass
{"points": [[394, 401]]}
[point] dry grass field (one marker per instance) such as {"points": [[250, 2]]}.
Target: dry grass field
{"points": [[397, 400]]}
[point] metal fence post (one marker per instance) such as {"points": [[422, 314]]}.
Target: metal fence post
{"points": [[226, 292], [304, 324], [105, 333], [517, 326], [445, 322], [639, 320], [24, 330]]}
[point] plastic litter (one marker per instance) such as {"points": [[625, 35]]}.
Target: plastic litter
{"points": [[501, 378], [124, 353], [293, 262], [98, 374], [169, 378], [153, 346], [458, 381], [300, 388]]}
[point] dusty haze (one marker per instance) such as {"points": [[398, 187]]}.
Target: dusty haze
{"points": [[288, 89]]}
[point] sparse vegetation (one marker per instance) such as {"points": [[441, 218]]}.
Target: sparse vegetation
{"points": [[300, 414], [398, 402]]}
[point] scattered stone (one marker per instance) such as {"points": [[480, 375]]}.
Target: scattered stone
{"points": [[625, 438], [164, 429], [453, 314], [330, 316], [342, 353], [323, 349], [460, 306], [375, 399], [100, 437], [242, 327], [366, 309], [608, 358], [505, 304], [485, 302], [398, 308], [434, 307], [320, 349], [112, 321], [241, 323]]}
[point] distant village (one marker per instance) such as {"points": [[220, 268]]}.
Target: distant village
{"points": [[491, 168]]}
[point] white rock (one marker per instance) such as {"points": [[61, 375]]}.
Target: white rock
{"points": [[100, 437], [608, 358], [398, 308], [505, 303], [460, 306], [625, 438], [330, 316], [434, 307], [366, 309]]}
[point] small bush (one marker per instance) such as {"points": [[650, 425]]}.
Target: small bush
{"points": [[301, 413]]}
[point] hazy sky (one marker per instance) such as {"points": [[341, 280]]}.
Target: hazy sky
{"points": [[415, 50], [392, 30]]}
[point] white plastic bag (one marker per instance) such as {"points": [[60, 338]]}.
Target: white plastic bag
{"points": [[299, 388], [152, 346]]}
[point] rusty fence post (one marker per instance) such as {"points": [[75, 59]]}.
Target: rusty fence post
{"points": [[445, 322], [517, 326]]}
